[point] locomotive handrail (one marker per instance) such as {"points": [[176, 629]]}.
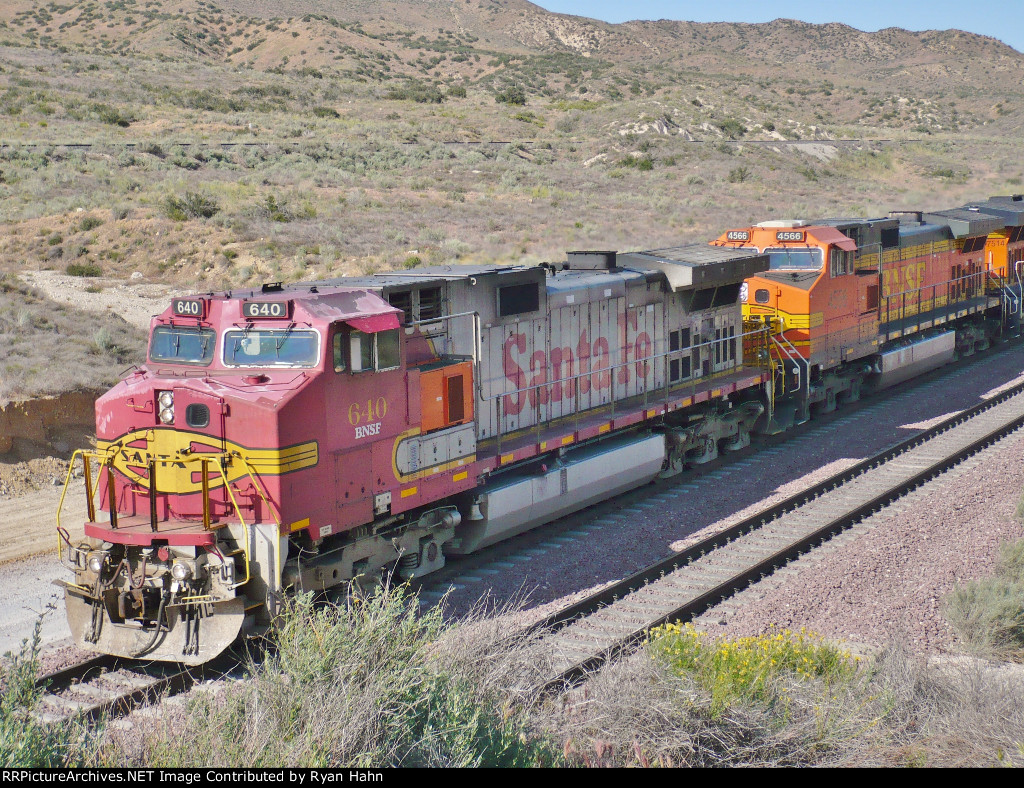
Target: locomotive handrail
{"points": [[477, 346], [85, 454], [106, 461]]}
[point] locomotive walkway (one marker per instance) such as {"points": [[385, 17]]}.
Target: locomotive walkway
{"points": [[580, 638]]}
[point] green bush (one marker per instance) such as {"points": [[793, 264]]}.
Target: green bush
{"points": [[415, 91], [25, 742], [84, 269], [513, 94], [326, 112], [457, 91], [191, 206], [732, 128], [643, 163], [369, 682], [89, 223]]}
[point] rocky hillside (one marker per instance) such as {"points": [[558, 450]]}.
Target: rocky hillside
{"points": [[473, 40]]}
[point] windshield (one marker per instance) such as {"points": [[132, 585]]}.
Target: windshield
{"points": [[179, 345], [795, 259], [270, 348]]}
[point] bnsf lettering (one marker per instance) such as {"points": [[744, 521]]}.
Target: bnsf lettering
{"points": [[367, 430], [590, 359], [902, 280]]}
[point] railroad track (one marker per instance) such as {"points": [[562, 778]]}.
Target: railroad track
{"points": [[107, 686], [581, 637]]}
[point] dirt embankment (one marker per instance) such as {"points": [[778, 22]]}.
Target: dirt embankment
{"points": [[37, 440], [47, 420]]}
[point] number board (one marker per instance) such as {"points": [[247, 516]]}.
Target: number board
{"points": [[265, 309], [188, 307], [789, 235], [737, 235]]}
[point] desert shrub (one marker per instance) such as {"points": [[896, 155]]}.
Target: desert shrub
{"points": [[368, 682], [83, 269], [25, 742], [457, 91], [642, 163], [415, 91], [192, 206], [89, 223], [513, 94], [731, 128], [114, 117], [326, 112], [988, 614], [739, 175], [749, 668]]}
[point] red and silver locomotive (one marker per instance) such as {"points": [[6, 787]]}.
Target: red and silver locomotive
{"points": [[303, 436]]}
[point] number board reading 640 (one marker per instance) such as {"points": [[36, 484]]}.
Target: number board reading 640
{"points": [[187, 307], [265, 309]]}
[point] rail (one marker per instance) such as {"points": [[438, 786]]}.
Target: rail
{"points": [[760, 565], [668, 387]]}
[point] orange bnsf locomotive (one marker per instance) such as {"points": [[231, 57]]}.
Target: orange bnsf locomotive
{"points": [[300, 437], [852, 302]]}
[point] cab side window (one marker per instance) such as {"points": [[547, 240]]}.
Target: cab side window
{"points": [[388, 352], [362, 352], [339, 352]]}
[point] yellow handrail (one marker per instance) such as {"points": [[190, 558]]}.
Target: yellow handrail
{"points": [[238, 511], [105, 461], [85, 454]]}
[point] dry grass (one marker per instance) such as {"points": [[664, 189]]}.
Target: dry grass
{"points": [[897, 711], [372, 683], [364, 683], [50, 348], [988, 614]]}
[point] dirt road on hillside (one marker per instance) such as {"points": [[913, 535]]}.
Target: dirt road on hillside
{"points": [[28, 522]]}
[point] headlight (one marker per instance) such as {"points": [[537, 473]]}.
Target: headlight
{"points": [[180, 570], [166, 399], [95, 562], [167, 415]]}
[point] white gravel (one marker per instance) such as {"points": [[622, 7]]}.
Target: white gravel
{"points": [[135, 302]]}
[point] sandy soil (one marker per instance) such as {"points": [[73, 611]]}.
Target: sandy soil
{"points": [[135, 301]]}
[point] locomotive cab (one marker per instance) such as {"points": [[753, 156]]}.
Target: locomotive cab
{"points": [[211, 457]]}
